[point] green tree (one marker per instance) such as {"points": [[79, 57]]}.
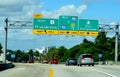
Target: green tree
{"points": [[74, 50], [105, 46], [52, 53], [31, 54], [37, 56], [10, 51], [36, 53], [101, 42], [19, 55], [25, 57], [111, 48], [1, 49], [62, 53], [86, 47]]}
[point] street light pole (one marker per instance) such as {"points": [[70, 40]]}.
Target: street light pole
{"points": [[5, 41], [116, 43]]}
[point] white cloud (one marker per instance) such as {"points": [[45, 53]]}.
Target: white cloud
{"points": [[19, 8], [65, 10], [9, 2], [90, 38], [1, 31], [111, 33], [91, 1], [23, 34], [1, 28], [113, 23]]}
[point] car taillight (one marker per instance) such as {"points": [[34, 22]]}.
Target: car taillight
{"points": [[82, 58]]}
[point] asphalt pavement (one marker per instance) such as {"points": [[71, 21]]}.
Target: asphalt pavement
{"points": [[60, 70]]}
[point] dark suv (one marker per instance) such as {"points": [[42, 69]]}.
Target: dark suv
{"points": [[85, 59], [71, 61]]}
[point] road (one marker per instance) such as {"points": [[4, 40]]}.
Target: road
{"points": [[86, 71], [47, 70]]}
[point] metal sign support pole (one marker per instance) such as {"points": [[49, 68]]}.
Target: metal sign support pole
{"points": [[5, 41], [116, 43]]}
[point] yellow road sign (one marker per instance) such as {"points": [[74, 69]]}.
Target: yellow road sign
{"points": [[84, 33], [45, 31], [37, 15], [68, 32]]}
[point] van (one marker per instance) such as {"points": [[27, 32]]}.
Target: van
{"points": [[85, 59]]}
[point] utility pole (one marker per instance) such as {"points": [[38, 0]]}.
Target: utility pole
{"points": [[116, 43], [5, 41]]}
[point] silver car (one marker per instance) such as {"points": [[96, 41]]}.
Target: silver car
{"points": [[85, 59]]}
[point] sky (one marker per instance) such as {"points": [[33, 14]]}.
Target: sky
{"points": [[105, 11]]}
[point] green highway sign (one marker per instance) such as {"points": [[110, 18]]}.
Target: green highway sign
{"points": [[68, 25], [45, 26], [44, 23], [12, 55], [88, 27], [65, 25]]}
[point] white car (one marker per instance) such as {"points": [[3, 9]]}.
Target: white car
{"points": [[85, 59]]}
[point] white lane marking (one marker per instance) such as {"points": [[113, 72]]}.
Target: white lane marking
{"points": [[104, 73]]}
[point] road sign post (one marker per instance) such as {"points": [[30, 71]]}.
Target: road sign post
{"points": [[5, 41], [116, 43], [68, 25]]}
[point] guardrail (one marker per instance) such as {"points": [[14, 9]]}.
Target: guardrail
{"points": [[6, 66]]}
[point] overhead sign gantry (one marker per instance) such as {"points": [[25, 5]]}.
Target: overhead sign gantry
{"points": [[65, 25], [94, 28]]}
